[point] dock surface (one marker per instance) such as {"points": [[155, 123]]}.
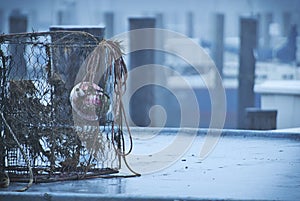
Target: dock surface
{"points": [[244, 165]]}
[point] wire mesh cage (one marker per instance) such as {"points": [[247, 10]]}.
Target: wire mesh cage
{"points": [[39, 71]]}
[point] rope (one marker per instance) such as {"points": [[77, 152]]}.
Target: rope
{"points": [[110, 53]]}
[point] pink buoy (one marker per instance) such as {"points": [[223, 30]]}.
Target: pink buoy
{"points": [[89, 101]]}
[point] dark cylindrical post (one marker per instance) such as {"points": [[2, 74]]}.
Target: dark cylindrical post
{"points": [[218, 41], [1, 21], [248, 41], [109, 24], [17, 24], [190, 24], [141, 101], [286, 23], [159, 23]]}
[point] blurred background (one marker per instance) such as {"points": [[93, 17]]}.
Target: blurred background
{"points": [[217, 26], [176, 15]]}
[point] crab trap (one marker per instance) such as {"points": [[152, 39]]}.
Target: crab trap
{"points": [[62, 114]]}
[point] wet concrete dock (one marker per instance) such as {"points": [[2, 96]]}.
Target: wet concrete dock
{"points": [[244, 165]]}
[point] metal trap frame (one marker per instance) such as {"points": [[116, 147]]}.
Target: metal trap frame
{"points": [[38, 73]]}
